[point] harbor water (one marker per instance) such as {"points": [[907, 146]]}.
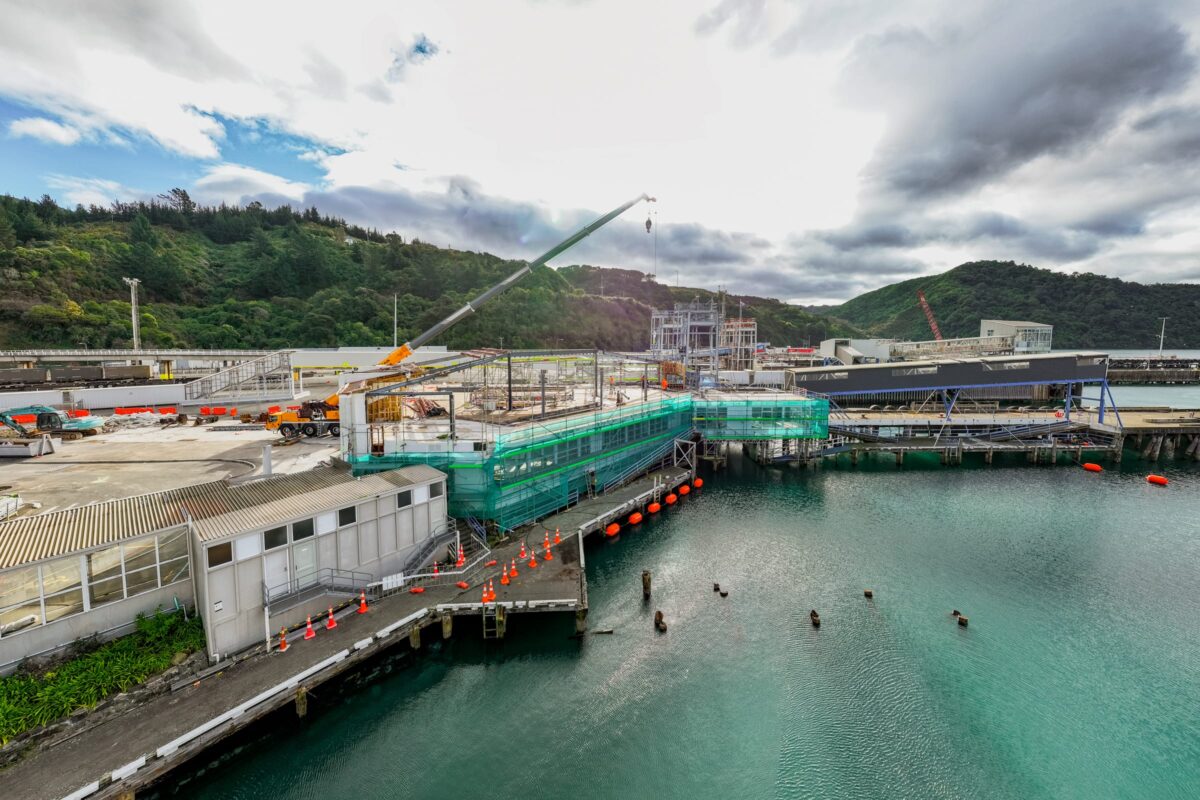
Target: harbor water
{"points": [[1078, 676]]}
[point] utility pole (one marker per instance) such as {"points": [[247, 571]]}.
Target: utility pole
{"points": [[1162, 334], [133, 300]]}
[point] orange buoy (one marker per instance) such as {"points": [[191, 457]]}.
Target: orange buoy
{"points": [[654, 508], [1091, 467], [417, 590], [612, 529], [671, 498], [698, 482], [635, 518], [1157, 480], [463, 585], [684, 489]]}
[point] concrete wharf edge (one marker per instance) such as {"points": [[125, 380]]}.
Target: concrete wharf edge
{"points": [[121, 755]]}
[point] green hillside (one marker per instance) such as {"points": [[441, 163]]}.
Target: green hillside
{"points": [[1086, 310], [256, 277]]}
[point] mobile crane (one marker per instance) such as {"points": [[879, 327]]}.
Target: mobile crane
{"points": [[316, 417]]}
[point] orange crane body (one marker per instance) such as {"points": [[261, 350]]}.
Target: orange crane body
{"points": [[933, 326]]}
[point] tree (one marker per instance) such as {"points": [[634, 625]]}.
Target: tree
{"points": [[8, 236], [179, 200]]}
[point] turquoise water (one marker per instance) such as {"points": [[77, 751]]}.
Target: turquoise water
{"points": [[1078, 677]]}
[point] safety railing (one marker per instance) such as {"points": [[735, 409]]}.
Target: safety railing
{"points": [[258, 368], [320, 581], [442, 535]]}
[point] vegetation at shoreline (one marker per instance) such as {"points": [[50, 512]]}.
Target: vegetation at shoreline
{"points": [[29, 701], [1086, 310]]}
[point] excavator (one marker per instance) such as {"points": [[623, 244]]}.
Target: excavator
{"points": [[318, 417], [30, 421]]}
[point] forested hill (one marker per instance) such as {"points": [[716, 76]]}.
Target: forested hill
{"points": [[258, 278], [1086, 310]]}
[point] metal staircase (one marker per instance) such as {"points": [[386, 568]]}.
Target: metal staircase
{"points": [[268, 375]]}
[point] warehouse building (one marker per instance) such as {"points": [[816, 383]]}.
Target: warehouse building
{"points": [[248, 556]]}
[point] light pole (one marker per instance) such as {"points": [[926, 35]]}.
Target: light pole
{"points": [[133, 300], [1162, 334]]}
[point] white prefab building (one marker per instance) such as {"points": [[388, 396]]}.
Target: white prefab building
{"points": [[249, 556], [1028, 337]]}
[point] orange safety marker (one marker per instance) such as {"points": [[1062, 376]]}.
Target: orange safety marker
{"points": [[491, 591], [330, 623], [557, 537], [283, 645], [546, 541], [532, 561], [417, 590], [462, 559], [362, 602], [549, 556], [484, 599], [435, 569], [512, 573], [504, 577], [491, 563], [522, 555], [309, 633], [463, 585]]}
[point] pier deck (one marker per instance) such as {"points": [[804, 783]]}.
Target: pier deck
{"points": [[594, 513]]}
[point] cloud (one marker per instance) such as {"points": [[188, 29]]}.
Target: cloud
{"points": [[970, 100], [238, 184], [44, 129], [73, 190]]}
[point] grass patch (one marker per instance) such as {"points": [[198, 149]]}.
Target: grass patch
{"points": [[30, 701]]}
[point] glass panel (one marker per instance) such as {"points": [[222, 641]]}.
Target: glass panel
{"points": [[63, 605], [302, 529], [276, 537], [104, 564], [139, 554], [173, 571], [143, 580], [19, 618], [220, 554], [105, 591], [346, 516], [60, 575], [436, 489], [404, 499], [172, 545], [18, 586]]}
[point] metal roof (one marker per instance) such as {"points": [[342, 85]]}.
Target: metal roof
{"points": [[217, 509]]}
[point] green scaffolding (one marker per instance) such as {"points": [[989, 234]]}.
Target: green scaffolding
{"points": [[542, 467]]}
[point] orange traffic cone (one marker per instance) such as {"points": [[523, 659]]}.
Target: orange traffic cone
{"points": [[435, 569], [309, 633], [485, 598], [462, 559], [512, 573], [362, 602], [491, 592], [330, 623], [522, 555], [283, 645], [557, 537], [546, 541], [504, 577], [549, 556], [532, 561]]}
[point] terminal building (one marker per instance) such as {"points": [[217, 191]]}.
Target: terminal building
{"points": [[244, 555]]}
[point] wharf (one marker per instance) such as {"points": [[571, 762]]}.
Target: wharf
{"points": [[121, 755], [595, 513]]}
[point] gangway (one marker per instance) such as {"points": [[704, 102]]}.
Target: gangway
{"points": [[265, 377]]}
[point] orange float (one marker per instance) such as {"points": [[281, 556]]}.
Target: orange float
{"points": [[1157, 480], [684, 489], [671, 499], [698, 482], [1090, 467], [635, 518], [654, 508], [612, 529]]}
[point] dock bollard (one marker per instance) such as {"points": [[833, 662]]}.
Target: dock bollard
{"points": [[645, 584]]}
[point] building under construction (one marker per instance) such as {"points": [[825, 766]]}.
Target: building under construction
{"points": [[701, 341]]}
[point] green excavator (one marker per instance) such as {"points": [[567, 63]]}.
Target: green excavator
{"points": [[31, 421]]}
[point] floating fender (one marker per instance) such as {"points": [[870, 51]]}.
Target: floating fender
{"points": [[635, 518], [1157, 480], [417, 590], [671, 498], [684, 489], [463, 585], [698, 482], [1091, 467], [654, 508], [612, 529]]}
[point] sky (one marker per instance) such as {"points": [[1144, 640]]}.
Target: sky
{"points": [[797, 149]]}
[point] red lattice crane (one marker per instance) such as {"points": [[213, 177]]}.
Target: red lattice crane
{"points": [[933, 326]]}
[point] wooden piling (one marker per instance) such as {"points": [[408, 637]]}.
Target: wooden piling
{"points": [[414, 637], [301, 702], [447, 626], [645, 584], [501, 621], [581, 620]]}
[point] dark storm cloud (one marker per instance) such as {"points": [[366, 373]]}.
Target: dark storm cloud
{"points": [[967, 105]]}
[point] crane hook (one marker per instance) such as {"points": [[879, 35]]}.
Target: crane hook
{"points": [[648, 223]]}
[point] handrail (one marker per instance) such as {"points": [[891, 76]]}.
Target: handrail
{"points": [[209, 385], [326, 576]]}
